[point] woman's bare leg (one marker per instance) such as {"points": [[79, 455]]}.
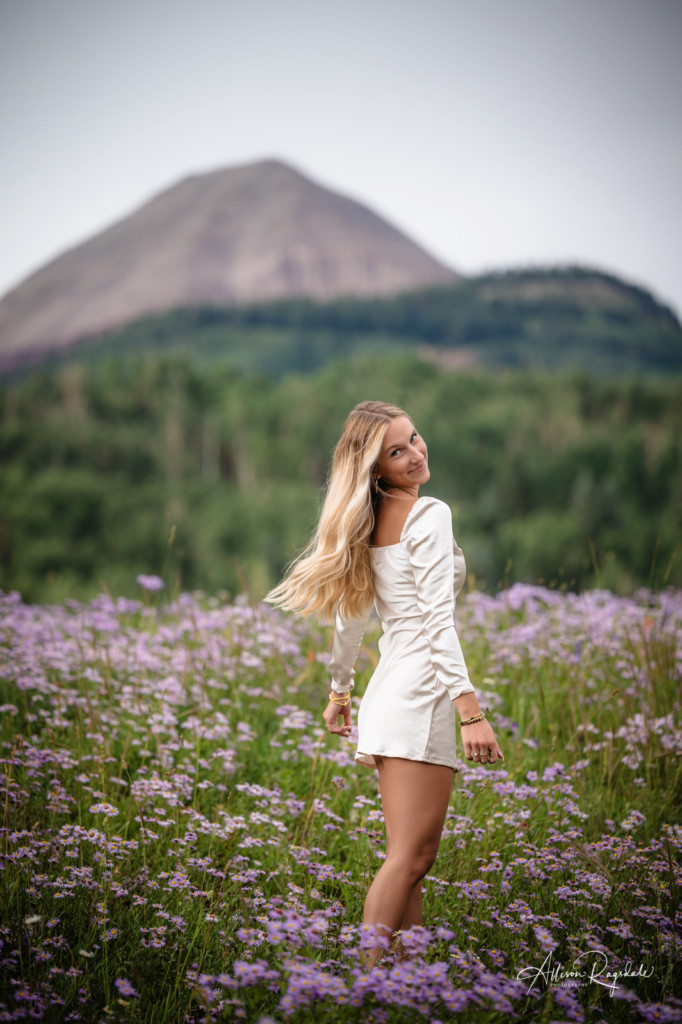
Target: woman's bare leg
{"points": [[413, 913], [415, 798]]}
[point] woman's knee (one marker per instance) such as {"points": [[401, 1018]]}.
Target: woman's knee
{"points": [[424, 862], [414, 864]]}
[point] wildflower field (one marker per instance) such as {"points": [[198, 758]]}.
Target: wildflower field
{"points": [[182, 841]]}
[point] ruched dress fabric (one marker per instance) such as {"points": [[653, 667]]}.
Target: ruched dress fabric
{"points": [[407, 709]]}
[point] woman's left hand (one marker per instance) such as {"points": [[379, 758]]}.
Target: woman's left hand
{"points": [[480, 744]]}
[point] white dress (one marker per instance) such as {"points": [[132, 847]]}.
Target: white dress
{"points": [[407, 709]]}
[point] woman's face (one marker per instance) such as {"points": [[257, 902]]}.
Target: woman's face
{"points": [[404, 459]]}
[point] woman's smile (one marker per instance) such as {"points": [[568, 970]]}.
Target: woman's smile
{"points": [[404, 455]]}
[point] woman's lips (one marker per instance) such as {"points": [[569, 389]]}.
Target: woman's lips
{"points": [[419, 468]]}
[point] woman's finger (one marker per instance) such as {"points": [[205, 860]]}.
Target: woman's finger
{"points": [[485, 756]]}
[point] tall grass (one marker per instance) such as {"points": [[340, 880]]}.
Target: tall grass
{"points": [[182, 841]]}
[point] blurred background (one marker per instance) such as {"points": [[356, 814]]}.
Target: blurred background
{"points": [[225, 224]]}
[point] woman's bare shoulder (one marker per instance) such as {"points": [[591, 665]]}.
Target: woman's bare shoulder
{"points": [[391, 519]]}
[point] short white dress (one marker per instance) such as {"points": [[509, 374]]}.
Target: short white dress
{"points": [[407, 709]]}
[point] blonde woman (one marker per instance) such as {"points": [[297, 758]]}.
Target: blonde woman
{"points": [[377, 542]]}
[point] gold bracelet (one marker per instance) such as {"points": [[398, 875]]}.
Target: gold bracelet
{"points": [[470, 721], [334, 698]]}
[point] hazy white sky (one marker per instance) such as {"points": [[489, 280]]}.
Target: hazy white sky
{"points": [[495, 132]]}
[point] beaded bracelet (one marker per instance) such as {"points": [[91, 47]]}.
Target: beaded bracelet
{"points": [[470, 721]]}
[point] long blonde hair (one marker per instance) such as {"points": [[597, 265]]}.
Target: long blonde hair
{"points": [[334, 572]]}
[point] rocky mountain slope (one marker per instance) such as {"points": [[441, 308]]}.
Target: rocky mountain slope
{"points": [[244, 234]]}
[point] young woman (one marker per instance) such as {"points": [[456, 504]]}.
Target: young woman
{"points": [[377, 542]]}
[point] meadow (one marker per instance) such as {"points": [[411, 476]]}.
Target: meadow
{"points": [[182, 840]]}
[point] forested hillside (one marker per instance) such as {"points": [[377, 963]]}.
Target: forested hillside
{"points": [[553, 319], [211, 477]]}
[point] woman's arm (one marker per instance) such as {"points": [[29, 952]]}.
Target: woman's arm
{"points": [[348, 634], [430, 545]]}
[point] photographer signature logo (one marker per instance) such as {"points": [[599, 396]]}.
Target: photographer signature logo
{"points": [[590, 966]]}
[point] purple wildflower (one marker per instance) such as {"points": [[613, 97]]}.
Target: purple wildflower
{"points": [[107, 809], [150, 583], [125, 989]]}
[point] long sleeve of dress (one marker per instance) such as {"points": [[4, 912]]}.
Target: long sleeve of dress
{"points": [[432, 558], [348, 634]]}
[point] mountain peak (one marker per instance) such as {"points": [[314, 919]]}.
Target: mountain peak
{"points": [[244, 234]]}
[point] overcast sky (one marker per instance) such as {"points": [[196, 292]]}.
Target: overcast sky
{"points": [[495, 132]]}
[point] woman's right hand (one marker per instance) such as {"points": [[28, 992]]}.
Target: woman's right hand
{"points": [[335, 711]]}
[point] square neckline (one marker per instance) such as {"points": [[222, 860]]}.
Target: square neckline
{"points": [[384, 547]]}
